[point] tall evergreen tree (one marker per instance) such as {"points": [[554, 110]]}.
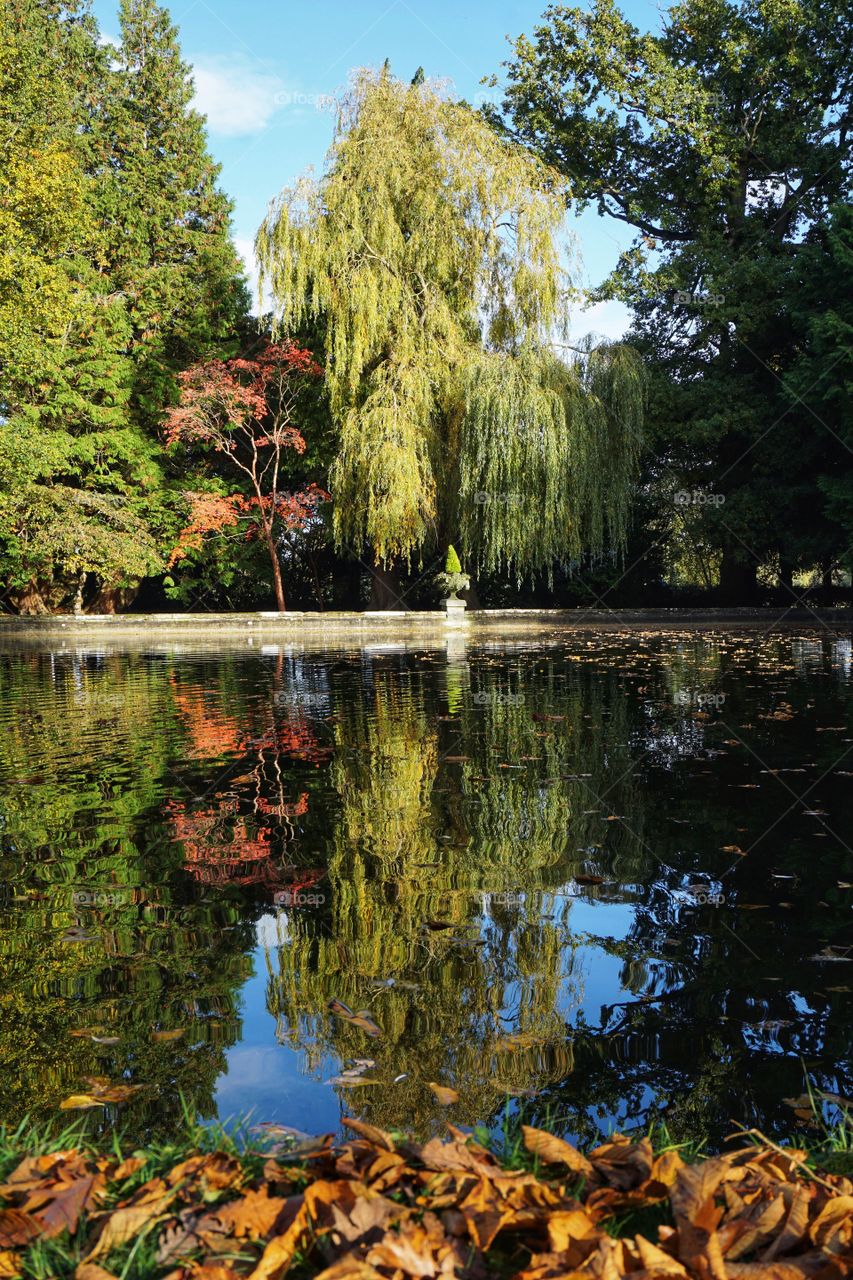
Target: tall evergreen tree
{"points": [[168, 238], [116, 272], [72, 478]]}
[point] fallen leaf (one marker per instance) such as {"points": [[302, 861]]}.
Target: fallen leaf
{"points": [[555, 1151], [17, 1228], [128, 1224], [91, 1271], [445, 1095]]}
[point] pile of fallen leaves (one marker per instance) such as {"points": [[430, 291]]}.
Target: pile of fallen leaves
{"points": [[383, 1208]]}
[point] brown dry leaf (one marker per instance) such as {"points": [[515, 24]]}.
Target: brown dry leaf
{"points": [[127, 1224], [165, 1037], [621, 1163], [456, 1157], [368, 1214], [832, 1229], [445, 1095], [796, 1225], [91, 1271], [697, 1216], [378, 1137], [10, 1264], [573, 1233], [128, 1167], [213, 1271], [314, 1217], [350, 1268], [363, 1019], [555, 1151], [17, 1228], [794, 1269], [216, 1171], [252, 1216], [656, 1261], [416, 1250], [67, 1202], [484, 1213]]}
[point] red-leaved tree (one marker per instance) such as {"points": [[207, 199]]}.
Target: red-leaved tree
{"points": [[244, 408]]}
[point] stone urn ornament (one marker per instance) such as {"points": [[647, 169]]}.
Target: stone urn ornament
{"points": [[451, 581]]}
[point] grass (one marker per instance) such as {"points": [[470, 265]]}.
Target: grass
{"points": [[828, 1149]]}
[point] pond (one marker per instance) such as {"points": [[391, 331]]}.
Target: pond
{"points": [[605, 877]]}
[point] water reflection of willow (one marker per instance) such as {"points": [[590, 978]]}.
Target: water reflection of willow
{"points": [[419, 838]]}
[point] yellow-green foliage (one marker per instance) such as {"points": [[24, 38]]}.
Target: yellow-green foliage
{"points": [[430, 246]]}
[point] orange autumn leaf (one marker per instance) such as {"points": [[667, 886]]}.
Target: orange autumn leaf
{"points": [[555, 1151]]}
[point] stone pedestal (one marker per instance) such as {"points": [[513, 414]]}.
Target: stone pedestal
{"points": [[455, 611]]}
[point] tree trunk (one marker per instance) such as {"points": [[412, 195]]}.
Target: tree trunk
{"points": [[77, 607], [276, 571], [29, 600], [786, 574], [737, 577], [385, 588]]}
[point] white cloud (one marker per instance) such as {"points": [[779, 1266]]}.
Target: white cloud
{"points": [[237, 96], [246, 250]]}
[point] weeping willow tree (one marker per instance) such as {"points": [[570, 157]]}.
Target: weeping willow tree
{"points": [[431, 248]]}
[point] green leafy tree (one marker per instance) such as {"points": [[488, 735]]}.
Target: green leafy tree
{"points": [[168, 224], [74, 481], [823, 377], [430, 249], [723, 140]]}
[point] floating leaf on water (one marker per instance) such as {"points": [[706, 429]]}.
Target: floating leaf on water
{"points": [[81, 1102], [363, 1019], [107, 1040], [588, 879], [161, 1037], [443, 1094], [339, 1008], [351, 1081]]}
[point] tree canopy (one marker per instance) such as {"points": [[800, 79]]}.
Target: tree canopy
{"points": [[724, 140], [431, 249]]}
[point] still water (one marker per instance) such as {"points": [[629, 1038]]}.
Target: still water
{"points": [[606, 877]]}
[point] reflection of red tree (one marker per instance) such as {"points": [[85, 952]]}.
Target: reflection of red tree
{"points": [[237, 837], [220, 848], [213, 732]]}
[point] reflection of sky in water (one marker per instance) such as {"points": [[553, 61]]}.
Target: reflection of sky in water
{"points": [[492, 794]]}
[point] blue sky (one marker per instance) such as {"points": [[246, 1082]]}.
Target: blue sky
{"points": [[266, 69]]}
